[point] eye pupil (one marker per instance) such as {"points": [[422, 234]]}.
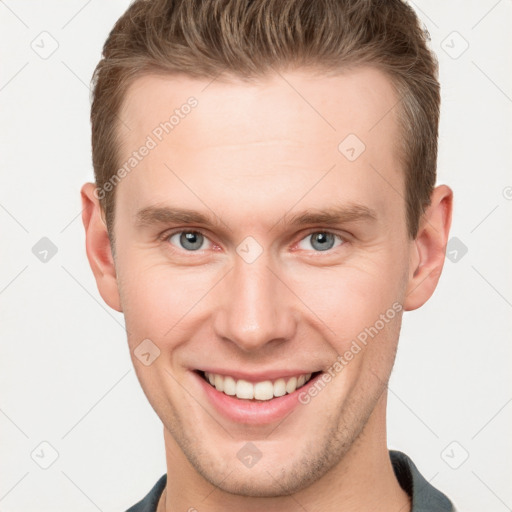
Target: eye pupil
{"points": [[191, 240], [325, 240]]}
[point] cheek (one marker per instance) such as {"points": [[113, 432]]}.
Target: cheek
{"points": [[157, 297], [358, 309], [350, 298]]}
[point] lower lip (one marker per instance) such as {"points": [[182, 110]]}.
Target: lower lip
{"points": [[252, 412]]}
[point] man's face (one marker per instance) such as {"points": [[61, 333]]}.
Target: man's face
{"points": [[253, 293]]}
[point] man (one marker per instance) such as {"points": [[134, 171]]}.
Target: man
{"points": [[264, 212]]}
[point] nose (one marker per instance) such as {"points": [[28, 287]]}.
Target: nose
{"points": [[255, 306]]}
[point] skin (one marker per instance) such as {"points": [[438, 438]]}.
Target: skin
{"points": [[255, 155]]}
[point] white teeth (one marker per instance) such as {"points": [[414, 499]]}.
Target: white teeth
{"points": [[244, 389], [229, 386], [291, 385], [265, 390], [219, 383], [279, 387]]}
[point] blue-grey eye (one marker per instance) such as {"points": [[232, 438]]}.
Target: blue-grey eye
{"points": [[189, 240], [321, 241]]}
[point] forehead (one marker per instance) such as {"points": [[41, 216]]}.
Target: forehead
{"points": [[356, 99], [236, 134]]}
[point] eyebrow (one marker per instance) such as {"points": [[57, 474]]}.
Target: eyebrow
{"points": [[166, 215], [333, 215], [328, 216]]}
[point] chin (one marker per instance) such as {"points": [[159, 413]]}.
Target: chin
{"points": [[259, 484]]}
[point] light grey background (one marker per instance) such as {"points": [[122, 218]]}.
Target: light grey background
{"points": [[66, 376]]}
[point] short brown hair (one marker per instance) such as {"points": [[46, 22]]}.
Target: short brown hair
{"points": [[250, 38]]}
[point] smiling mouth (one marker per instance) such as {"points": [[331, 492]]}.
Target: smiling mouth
{"points": [[257, 391]]}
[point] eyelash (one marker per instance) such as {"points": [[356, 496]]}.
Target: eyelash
{"points": [[168, 234]]}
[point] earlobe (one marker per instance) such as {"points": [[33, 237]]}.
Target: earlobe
{"points": [[429, 248], [98, 247]]}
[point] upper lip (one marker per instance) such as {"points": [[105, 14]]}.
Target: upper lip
{"points": [[260, 375]]}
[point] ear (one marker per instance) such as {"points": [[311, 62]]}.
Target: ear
{"points": [[429, 248], [99, 251]]}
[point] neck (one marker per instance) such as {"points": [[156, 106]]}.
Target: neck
{"points": [[362, 480]]}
